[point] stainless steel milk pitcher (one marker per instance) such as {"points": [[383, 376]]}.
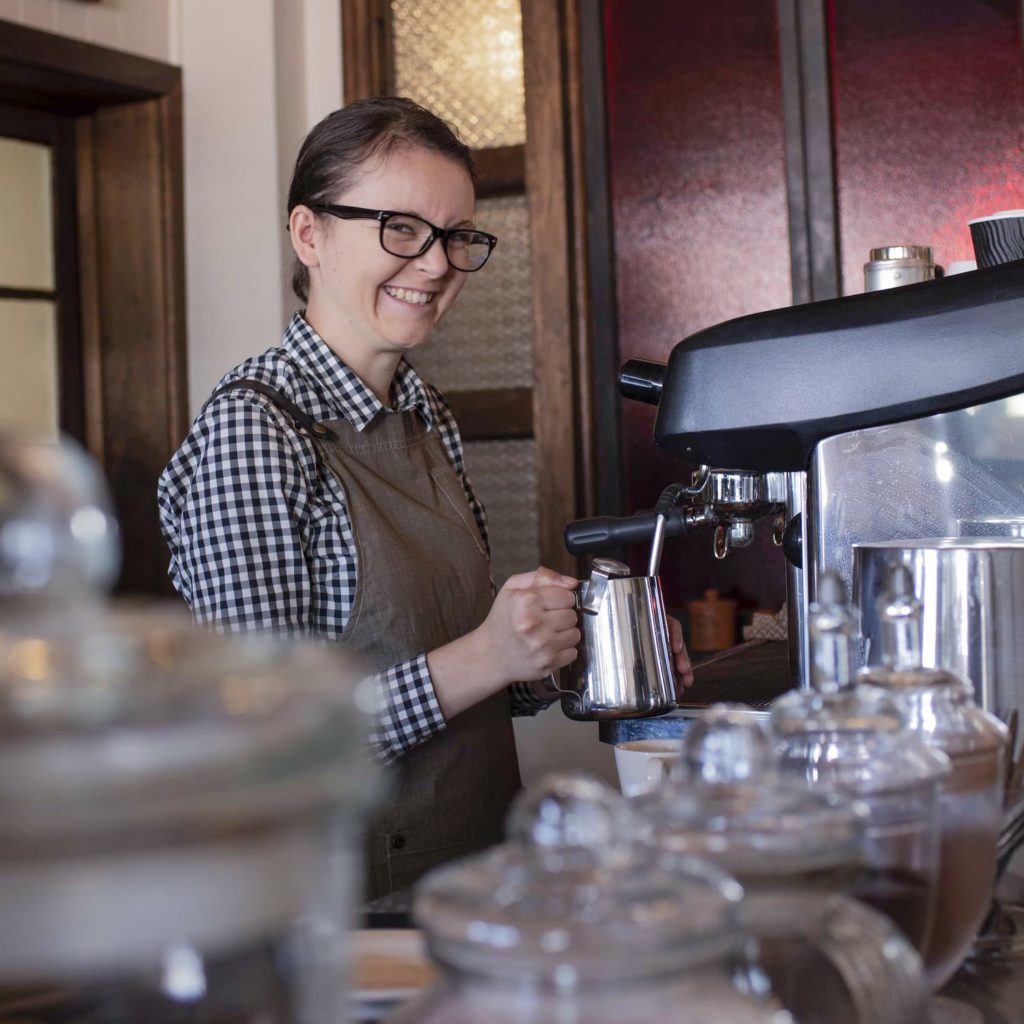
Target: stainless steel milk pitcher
{"points": [[624, 666]]}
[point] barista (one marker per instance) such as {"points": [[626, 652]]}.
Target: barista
{"points": [[322, 491]]}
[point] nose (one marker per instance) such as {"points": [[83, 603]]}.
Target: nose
{"points": [[433, 262]]}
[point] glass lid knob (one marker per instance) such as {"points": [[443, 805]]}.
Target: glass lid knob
{"points": [[900, 614], [726, 745]]}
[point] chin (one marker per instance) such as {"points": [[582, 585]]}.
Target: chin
{"points": [[408, 344]]}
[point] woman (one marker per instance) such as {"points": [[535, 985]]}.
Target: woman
{"points": [[322, 490]]}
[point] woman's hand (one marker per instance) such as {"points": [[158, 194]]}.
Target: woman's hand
{"points": [[680, 658], [531, 628], [529, 632]]}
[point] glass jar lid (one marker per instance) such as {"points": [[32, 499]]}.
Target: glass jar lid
{"points": [[843, 734], [853, 738], [935, 703], [572, 899], [729, 803], [126, 718]]}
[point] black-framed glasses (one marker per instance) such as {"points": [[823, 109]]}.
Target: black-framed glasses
{"points": [[402, 234]]}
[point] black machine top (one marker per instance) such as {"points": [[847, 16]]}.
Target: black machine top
{"points": [[759, 392]]}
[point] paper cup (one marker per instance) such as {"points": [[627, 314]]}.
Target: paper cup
{"points": [[998, 238]]}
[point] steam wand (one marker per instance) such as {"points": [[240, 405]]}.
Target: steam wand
{"points": [[669, 498]]}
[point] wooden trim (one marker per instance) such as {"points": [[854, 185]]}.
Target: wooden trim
{"points": [[42, 70], [171, 133], [551, 272], [139, 298], [28, 125], [597, 344], [28, 294], [502, 171], [88, 291], [810, 169], [366, 49], [494, 414]]}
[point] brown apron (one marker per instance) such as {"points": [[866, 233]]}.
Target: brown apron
{"points": [[423, 580]]}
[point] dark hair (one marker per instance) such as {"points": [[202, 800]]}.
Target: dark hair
{"points": [[336, 148]]}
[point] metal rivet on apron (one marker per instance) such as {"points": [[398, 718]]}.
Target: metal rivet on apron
{"points": [[398, 842], [319, 429]]}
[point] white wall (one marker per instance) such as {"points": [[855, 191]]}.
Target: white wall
{"points": [[257, 75], [138, 26]]}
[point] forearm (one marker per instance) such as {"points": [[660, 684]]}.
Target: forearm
{"points": [[464, 674]]}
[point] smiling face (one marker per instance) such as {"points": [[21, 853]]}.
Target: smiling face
{"points": [[368, 305]]}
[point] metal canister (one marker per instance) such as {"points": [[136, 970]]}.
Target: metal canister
{"points": [[892, 266]]}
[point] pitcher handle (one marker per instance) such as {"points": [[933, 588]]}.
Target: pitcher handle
{"points": [[548, 688]]}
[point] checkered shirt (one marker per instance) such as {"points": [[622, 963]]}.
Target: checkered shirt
{"points": [[259, 529]]}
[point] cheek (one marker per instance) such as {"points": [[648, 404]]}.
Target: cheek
{"points": [[453, 290]]}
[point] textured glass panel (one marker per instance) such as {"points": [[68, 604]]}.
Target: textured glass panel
{"points": [[504, 476], [485, 340], [464, 60], [28, 355], [26, 224]]}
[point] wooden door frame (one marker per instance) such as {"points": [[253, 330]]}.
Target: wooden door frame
{"points": [[128, 169]]}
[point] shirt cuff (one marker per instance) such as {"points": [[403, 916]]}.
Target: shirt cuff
{"points": [[409, 712]]}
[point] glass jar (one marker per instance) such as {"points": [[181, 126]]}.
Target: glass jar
{"points": [[59, 541], [843, 736], [795, 851], [938, 707], [178, 822], [571, 922]]}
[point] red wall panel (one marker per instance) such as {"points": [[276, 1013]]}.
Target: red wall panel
{"points": [[928, 110], [698, 188]]}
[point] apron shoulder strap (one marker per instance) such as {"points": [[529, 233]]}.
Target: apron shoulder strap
{"points": [[302, 420]]}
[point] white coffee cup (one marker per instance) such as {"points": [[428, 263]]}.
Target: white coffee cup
{"points": [[643, 764]]}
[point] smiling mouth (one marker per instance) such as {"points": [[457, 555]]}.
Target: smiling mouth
{"points": [[414, 298]]}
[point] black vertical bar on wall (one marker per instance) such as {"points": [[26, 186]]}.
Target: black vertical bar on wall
{"points": [[604, 342], [810, 166], [69, 328]]}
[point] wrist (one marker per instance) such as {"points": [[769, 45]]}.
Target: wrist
{"points": [[464, 672]]}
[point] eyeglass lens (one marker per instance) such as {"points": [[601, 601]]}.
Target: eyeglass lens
{"points": [[404, 235]]}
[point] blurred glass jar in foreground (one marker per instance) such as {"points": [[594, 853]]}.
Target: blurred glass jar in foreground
{"points": [[58, 537], [179, 818], [795, 851], [179, 811], [570, 922], [851, 738], [938, 707]]}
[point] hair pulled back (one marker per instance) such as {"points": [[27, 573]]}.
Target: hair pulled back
{"points": [[337, 148]]}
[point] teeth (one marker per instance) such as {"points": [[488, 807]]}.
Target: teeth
{"points": [[416, 298]]}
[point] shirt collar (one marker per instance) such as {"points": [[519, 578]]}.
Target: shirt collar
{"points": [[342, 389]]}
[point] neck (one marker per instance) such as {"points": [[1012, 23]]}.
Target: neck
{"points": [[375, 369]]}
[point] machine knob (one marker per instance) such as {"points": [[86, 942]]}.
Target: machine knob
{"points": [[793, 541]]}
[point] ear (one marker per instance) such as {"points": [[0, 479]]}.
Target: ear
{"points": [[305, 235]]}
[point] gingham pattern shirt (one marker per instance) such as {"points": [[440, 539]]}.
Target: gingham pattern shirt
{"points": [[258, 527]]}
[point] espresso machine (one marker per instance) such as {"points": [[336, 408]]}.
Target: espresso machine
{"points": [[875, 417]]}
